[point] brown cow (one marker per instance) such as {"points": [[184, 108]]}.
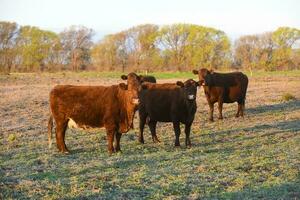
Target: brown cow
{"points": [[168, 103], [223, 88], [112, 107]]}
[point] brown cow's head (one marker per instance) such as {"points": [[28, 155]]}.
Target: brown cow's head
{"points": [[204, 76], [189, 88], [133, 86]]}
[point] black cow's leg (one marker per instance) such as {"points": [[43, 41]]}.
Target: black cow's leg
{"points": [[211, 111], [110, 140], [142, 125], [117, 142], [60, 136], [241, 107], [187, 131], [152, 126], [242, 110], [176, 126], [220, 108], [238, 113]]}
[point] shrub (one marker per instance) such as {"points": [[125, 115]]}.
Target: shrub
{"points": [[11, 137], [288, 97]]}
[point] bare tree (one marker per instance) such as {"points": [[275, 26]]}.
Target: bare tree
{"points": [[8, 34], [76, 43]]}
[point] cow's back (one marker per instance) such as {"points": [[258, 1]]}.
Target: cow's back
{"points": [[229, 86], [86, 105], [161, 104]]}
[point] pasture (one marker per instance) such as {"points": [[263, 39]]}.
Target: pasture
{"points": [[254, 157]]}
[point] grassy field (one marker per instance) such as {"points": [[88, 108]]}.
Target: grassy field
{"points": [[257, 157]]}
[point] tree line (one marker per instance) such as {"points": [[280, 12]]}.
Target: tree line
{"points": [[148, 47]]}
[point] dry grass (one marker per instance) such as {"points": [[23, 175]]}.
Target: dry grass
{"points": [[254, 157]]}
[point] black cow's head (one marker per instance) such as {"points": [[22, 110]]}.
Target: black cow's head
{"points": [[189, 88], [204, 75], [150, 79], [133, 86]]}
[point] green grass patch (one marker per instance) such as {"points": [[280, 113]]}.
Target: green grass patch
{"points": [[288, 97], [158, 75]]}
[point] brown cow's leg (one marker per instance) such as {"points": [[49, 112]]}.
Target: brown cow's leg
{"points": [[60, 136], [211, 112], [152, 126], [176, 126], [187, 131], [110, 141], [220, 108], [117, 142]]}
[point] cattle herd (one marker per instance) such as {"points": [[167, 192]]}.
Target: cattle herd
{"points": [[113, 107]]}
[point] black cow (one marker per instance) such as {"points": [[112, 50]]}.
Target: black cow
{"points": [[168, 103]]}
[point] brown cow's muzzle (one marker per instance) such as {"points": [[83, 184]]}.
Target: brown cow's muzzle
{"points": [[135, 101], [202, 83]]}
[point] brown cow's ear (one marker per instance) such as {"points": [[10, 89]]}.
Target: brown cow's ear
{"points": [[124, 77], [195, 71], [179, 83], [123, 86]]}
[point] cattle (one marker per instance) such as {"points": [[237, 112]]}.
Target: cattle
{"points": [[150, 79], [112, 107], [223, 88], [168, 103]]}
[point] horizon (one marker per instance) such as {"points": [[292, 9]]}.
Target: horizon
{"points": [[108, 17]]}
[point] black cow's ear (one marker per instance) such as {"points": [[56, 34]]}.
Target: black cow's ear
{"points": [[141, 78], [195, 71], [211, 71], [144, 87], [179, 83], [123, 86], [124, 77], [197, 83]]}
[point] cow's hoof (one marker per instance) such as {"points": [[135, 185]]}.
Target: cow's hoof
{"points": [[156, 140], [66, 152], [220, 118], [111, 151], [211, 120], [142, 141], [119, 152]]}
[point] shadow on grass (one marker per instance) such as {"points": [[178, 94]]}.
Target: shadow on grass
{"points": [[255, 133], [289, 190], [282, 127], [284, 106]]}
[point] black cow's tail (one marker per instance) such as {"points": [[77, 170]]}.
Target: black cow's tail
{"points": [[50, 126]]}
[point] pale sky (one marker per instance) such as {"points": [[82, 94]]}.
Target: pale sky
{"points": [[235, 17]]}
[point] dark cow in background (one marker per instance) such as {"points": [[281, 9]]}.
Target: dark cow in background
{"points": [[168, 103], [112, 107], [223, 88], [150, 79]]}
